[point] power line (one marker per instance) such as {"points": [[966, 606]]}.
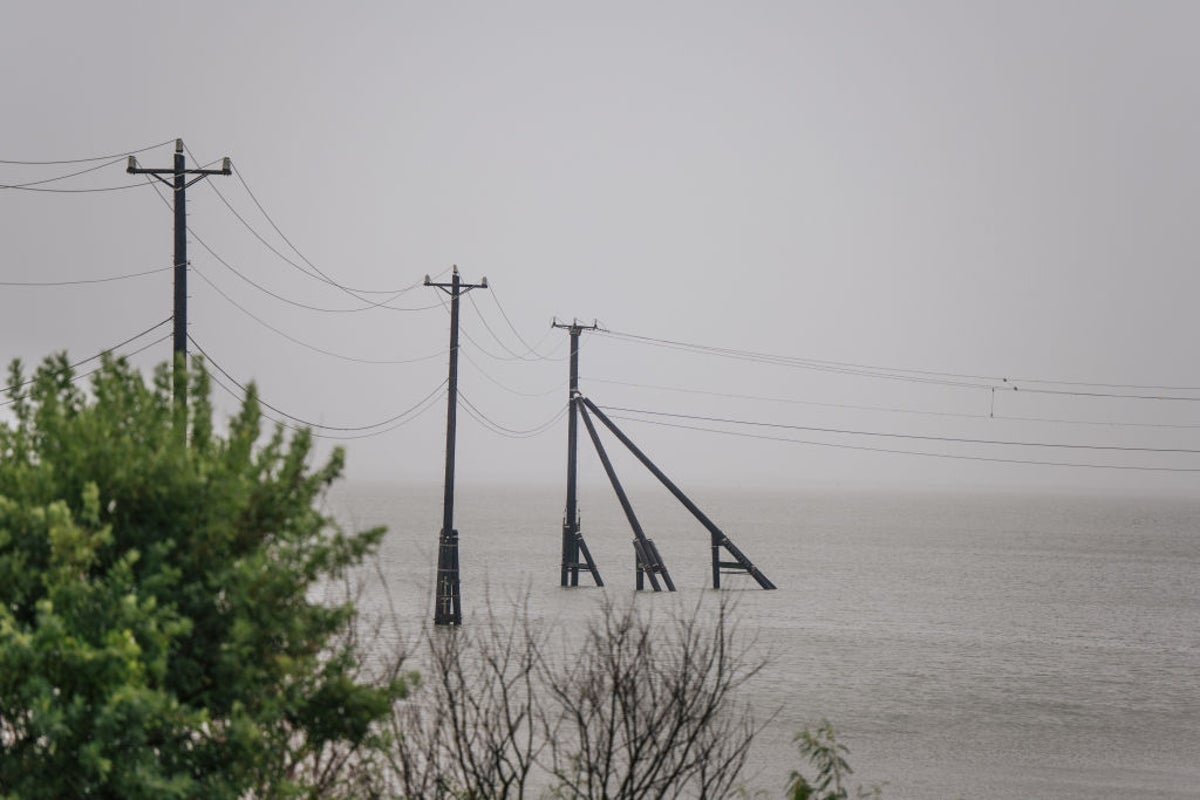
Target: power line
{"points": [[952, 456], [310, 423], [528, 347], [87, 281], [964, 380], [328, 436], [289, 301], [305, 259], [304, 344], [92, 158], [502, 430], [320, 276], [894, 410], [515, 355], [920, 437], [59, 177], [505, 387], [74, 191], [29, 381], [298, 304]]}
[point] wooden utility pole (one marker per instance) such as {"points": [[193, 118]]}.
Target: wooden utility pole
{"points": [[179, 185], [448, 600], [573, 544]]}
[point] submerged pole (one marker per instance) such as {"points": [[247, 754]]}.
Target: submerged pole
{"points": [[448, 599], [573, 544]]}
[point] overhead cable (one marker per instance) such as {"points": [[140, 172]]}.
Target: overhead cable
{"points": [[913, 436], [866, 448], [304, 344], [503, 386], [512, 433], [309, 423], [318, 434], [305, 259], [74, 364], [59, 177], [320, 276], [957, 379], [895, 410], [85, 281], [86, 160], [529, 348]]}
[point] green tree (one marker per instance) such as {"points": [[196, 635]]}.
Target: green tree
{"points": [[158, 636]]}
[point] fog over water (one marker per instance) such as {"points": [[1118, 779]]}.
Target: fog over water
{"points": [[930, 210], [902, 293]]}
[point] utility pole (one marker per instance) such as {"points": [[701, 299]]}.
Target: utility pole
{"points": [[179, 186], [573, 544], [448, 602]]}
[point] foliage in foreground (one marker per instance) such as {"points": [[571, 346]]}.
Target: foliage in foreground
{"points": [[828, 756], [156, 634], [628, 707], [158, 637]]}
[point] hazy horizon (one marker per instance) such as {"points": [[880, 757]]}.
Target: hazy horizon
{"points": [[858, 227]]}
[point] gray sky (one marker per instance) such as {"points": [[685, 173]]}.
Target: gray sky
{"points": [[984, 189]]}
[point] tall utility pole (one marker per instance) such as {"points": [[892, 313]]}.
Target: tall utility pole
{"points": [[179, 189], [448, 602], [573, 544]]}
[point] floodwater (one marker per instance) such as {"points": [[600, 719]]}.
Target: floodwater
{"points": [[963, 645]]}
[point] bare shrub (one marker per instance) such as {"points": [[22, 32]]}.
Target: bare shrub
{"points": [[636, 708]]}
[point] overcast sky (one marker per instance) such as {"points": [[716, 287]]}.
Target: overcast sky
{"points": [[994, 190]]}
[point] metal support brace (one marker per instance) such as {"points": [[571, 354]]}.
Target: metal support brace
{"points": [[648, 561], [718, 537]]}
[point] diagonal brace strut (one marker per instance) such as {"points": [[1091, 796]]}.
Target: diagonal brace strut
{"points": [[719, 539], [649, 562]]}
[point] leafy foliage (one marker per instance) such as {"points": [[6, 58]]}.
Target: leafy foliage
{"points": [[823, 750], [157, 637]]}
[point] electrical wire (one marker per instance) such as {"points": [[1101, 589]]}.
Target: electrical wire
{"points": [[304, 344], [528, 347], [86, 160], [321, 277], [894, 410], [281, 298], [305, 259], [317, 434], [265, 290], [475, 342], [511, 433], [74, 364], [74, 191], [87, 281], [515, 355], [59, 177], [956, 379], [506, 388], [952, 456], [911, 436], [915, 376], [310, 423], [320, 274]]}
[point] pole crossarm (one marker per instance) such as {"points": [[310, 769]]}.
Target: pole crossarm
{"points": [[719, 539]]}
